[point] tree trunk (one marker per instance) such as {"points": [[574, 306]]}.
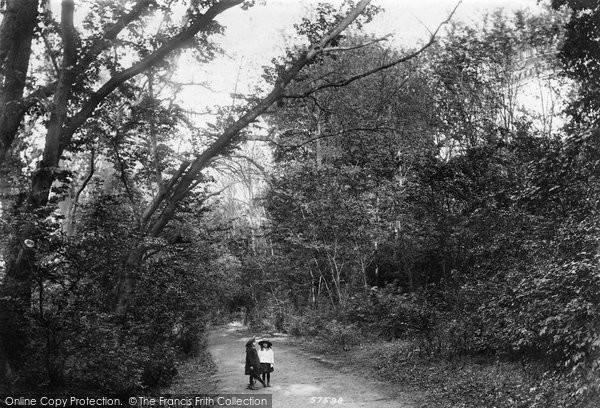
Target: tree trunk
{"points": [[15, 302], [126, 288], [18, 281], [16, 34], [46, 174]]}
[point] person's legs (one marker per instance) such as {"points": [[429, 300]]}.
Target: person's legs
{"points": [[259, 380], [268, 379]]}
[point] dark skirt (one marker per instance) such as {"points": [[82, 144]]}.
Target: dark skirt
{"points": [[266, 368]]}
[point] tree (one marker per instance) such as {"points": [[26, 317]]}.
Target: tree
{"points": [[485, 74], [580, 56], [342, 155], [381, 140]]}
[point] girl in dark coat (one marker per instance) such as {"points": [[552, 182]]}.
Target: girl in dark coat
{"points": [[252, 368]]}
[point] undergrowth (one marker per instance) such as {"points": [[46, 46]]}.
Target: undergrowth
{"points": [[194, 375], [468, 382], [461, 382]]}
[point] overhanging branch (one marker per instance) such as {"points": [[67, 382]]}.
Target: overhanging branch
{"points": [[355, 47], [111, 33], [349, 80], [200, 24], [228, 135]]}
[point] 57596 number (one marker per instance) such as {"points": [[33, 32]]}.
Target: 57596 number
{"points": [[326, 400]]}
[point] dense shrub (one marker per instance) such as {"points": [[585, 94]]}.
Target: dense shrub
{"points": [[75, 337], [340, 335], [310, 323], [101, 359], [391, 313], [160, 369]]}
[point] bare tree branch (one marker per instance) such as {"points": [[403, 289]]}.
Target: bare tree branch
{"points": [[355, 47], [162, 195], [111, 33], [60, 131], [71, 222], [153, 136], [213, 194], [397, 61], [201, 24], [50, 53], [251, 161], [20, 106]]}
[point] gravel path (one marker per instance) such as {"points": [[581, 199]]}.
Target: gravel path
{"points": [[299, 380]]}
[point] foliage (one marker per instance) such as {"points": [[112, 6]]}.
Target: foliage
{"points": [[467, 382], [309, 324], [580, 56], [476, 226], [340, 335], [77, 334], [148, 196]]}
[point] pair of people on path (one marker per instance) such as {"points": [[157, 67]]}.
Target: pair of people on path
{"points": [[259, 363]]}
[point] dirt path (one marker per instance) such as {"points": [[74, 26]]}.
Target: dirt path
{"points": [[299, 379]]}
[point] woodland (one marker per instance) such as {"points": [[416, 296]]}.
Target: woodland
{"points": [[405, 197]]}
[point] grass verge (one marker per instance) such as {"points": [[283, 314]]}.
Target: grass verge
{"points": [[195, 375], [465, 382]]}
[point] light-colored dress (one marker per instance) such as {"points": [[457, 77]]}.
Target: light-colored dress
{"points": [[267, 359]]}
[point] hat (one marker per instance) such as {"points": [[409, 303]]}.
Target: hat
{"points": [[265, 343], [250, 342]]}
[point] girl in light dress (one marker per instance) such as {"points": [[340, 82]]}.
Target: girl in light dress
{"points": [[265, 355]]}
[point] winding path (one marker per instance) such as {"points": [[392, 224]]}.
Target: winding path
{"points": [[299, 379]]}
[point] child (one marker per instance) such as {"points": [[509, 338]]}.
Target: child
{"points": [[265, 354], [253, 366]]}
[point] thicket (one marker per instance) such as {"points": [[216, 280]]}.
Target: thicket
{"points": [[76, 341], [429, 207]]}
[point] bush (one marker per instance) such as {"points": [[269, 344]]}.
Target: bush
{"points": [[311, 323], [391, 313], [189, 339], [340, 335], [101, 357], [75, 339], [160, 368], [559, 315]]}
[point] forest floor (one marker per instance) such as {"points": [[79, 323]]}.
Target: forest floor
{"points": [[300, 379]]}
